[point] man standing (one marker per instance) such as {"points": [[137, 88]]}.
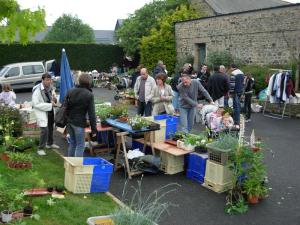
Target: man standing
{"points": [[226, 96], [160, 68], [218, 86], [236, 90], [43, 101], [188, 94], [142, 90], [203, 75]]}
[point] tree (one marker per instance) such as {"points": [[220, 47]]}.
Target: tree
{"points": [[160, 44], [142, 21], [70, 29], [24, 22]]}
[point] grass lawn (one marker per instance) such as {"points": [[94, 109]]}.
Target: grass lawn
{"points": [[49, 170]]}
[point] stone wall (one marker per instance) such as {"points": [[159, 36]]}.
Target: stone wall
{"points": [[261, 37]]}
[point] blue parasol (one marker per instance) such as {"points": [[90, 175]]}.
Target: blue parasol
{"points": [[66, 79]]}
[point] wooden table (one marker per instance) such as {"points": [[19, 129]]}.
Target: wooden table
{"points": [[100, 129], [125, 130], [172, 158]]}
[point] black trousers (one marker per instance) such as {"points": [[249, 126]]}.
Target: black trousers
{"points": [[47, 132], [144, 108], [247, 106]]}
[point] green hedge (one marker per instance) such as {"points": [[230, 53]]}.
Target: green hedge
{"points": [[81, 56]]}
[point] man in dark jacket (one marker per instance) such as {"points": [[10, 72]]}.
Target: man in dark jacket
{"points": [[160, 68], [236, 90], [217, 87], [80, 103], [204, 75], [249, 84]]}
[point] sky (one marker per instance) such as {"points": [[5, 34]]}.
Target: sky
{"points": [[99, 14]]}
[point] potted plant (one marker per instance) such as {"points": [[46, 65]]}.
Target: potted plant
{"points": [[253, 188], [19, 160], [138, 122], [103, 112], [22, 143], [225, 143], [119, 110], [10, 200], [178, 136]]}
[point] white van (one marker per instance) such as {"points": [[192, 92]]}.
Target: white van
{"points": [[23, 75]]}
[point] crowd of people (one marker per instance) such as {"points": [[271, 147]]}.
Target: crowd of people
{"points": [[184, 97], [188, 88]]}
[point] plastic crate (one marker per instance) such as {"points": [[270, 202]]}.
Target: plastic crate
{"points": [[219, 188], [217, 155], [171, 164], [217, 173], [87, 175], [193, 175], [197, 163]]}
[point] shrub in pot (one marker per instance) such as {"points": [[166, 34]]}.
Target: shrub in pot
{"points": [[19, 160]]}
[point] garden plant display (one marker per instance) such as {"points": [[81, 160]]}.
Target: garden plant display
{"points": [[138, 122]]}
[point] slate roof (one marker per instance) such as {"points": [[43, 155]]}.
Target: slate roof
{"points": [[104, 36], [233, 6]]}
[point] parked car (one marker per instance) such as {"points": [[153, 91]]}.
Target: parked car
{"points": [[23, 75]]}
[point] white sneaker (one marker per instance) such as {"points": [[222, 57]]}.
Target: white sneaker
{"points": [[41, 152], [53, 146]]}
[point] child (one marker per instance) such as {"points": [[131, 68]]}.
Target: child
{"points": [[216, 120], [7, 96], [227, 122]]}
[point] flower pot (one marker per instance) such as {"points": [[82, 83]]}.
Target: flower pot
{"points": [[27, 210], [4, 156], [180, 144], [188, 147], [6, 216], [255, 149], [19, 165], [252, 199]]}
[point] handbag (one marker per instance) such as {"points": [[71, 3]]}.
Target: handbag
{"points": [[61, 116]]}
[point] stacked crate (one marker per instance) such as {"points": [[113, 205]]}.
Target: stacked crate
{"points": [[218, 176], [196, 167]]}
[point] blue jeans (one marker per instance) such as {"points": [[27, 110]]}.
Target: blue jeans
{"points": [[236, 108], [187, 118], [76, 145], [175, 100]]}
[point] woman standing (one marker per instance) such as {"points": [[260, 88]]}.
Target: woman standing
{"points": [[162, 96], [7, 96], [80, 103]]}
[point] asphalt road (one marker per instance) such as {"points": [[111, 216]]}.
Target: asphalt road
{"points": [[195, 205]]}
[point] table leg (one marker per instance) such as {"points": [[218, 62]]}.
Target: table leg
{"points": [[117, 152], [125, 156], [151, 134]]}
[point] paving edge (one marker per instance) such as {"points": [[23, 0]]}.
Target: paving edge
{"points": [[114, 198]]}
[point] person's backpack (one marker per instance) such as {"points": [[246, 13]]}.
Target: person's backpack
{"points": [[61, 116]]}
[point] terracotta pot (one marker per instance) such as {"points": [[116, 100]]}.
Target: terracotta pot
{"points": [[4, 156], [19, 165], [255, 149], [253, 199]]}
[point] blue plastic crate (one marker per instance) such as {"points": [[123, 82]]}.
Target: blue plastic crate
{"points": [[101, 173], [193, 175], [171, 123], [197, 163]]}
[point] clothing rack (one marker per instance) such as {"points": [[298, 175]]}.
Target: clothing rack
{"points": [[280, 107]]}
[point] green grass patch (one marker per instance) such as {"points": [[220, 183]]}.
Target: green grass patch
{"points": [[49, 171]]}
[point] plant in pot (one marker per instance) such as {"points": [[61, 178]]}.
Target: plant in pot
{"points": [[225, 143], [103, 112], [138, 122], [10, 200], [19, 160], [178, 136], [119, 110]]}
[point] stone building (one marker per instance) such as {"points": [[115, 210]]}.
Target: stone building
{"points": [[247, 29]]}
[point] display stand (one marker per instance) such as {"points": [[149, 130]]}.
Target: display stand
{"points": [[281, 106], [125, 130]]}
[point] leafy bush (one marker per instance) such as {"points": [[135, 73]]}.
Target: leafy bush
{"points": [[219, 58], [81, 56], [225, 141], [11, 123]]}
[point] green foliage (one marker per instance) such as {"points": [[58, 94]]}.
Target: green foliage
{"points": [[142, 21], [138, 122], [143, 210], [195, 140], [219, 58], [103, 111], [68, 28], [81, 56], [160, 44], [11, 124], [225, 142], [239, 207], [19, 157], [12, 20], [10, 198], [119, 110]]}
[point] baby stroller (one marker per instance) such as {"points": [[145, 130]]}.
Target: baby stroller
{"points": [[121, 83], [206, 113]]}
